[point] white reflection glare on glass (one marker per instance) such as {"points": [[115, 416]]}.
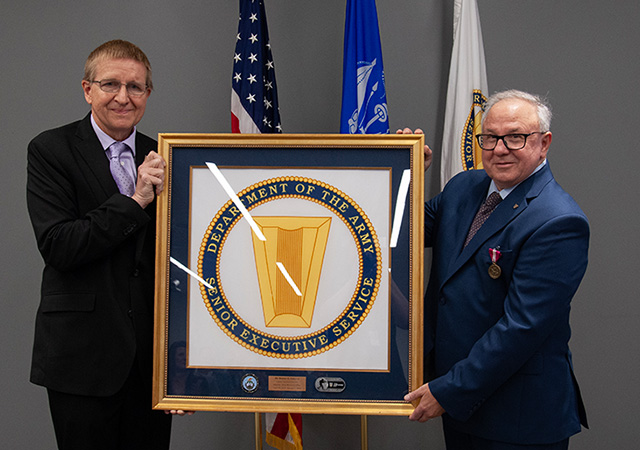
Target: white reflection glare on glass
{"points": [[289, 279], [400, 202], [181, 266], [232, 195]]}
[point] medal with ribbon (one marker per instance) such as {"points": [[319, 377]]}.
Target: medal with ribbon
{"points": [[494, 269]]}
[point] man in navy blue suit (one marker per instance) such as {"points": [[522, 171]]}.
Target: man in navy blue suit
{"points": [[499, 293]]}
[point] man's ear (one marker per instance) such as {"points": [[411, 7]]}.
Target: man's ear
{"points": [[546, 142], [86, 88]]}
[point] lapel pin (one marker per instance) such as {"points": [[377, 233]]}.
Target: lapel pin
{"points": [[515, 206]]}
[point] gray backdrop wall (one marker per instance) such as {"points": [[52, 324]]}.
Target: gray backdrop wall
{"points": [[583, 54]]}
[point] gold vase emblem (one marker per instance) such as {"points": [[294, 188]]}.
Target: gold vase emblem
{"points": [[289, 264]]}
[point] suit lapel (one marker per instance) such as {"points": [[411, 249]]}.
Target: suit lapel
{"points": [[142, 149], [141, 152], [91, 152], [144, 145], [510, 208], [467, 212]]}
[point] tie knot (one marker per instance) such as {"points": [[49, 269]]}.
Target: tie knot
{"points": [[116, 149], [493, 200]]}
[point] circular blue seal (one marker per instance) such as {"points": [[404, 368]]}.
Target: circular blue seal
{"points": [[249, 383]]}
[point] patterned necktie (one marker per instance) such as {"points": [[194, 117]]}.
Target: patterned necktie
{"points": [[483, 214], [120, 175]]}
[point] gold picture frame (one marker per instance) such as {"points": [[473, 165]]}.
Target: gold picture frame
{"points": [[289, 273]]}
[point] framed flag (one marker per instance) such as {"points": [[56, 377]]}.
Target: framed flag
{"points": [[289, 273]]}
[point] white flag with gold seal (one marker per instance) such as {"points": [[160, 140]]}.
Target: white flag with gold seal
{"points": [[466, 94]]}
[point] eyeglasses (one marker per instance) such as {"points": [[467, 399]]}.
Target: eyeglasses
{"points": [[114, 86], [514, 141]]}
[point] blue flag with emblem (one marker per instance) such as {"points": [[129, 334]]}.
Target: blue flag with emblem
{"points": [[364, 98]]}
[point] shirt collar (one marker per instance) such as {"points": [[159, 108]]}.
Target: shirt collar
{"points": [[504, 192], [107, 140]]}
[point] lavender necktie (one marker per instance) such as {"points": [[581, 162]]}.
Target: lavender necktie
{"points": [[483, 214], [120, 175]]}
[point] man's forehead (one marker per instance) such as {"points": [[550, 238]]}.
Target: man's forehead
{"points": [[514, 106], [106, 64], [511, 112]]}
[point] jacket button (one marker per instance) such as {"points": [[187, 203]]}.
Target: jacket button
{"points": [[442, 300], [130, 313], [135, 273]]}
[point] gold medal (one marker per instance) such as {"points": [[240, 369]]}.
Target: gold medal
{"points": [[495, 271]]}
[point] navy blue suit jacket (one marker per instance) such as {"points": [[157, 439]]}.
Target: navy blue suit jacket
{"points": [[96, 308], [503, 367]]}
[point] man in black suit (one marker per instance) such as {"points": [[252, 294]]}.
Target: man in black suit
{"points": [[94, 327]]}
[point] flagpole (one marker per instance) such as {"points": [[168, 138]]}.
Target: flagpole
{"points": [[258, 430], [364, 443]]}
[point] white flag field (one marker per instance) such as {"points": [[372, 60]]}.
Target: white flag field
{"points": [[466, 93]]}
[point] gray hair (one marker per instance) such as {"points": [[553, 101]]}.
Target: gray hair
{"points": [[542, 106]]}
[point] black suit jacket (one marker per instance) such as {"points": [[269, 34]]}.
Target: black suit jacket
{"points": [[96, 307]]}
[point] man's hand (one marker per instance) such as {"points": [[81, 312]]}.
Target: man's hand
{"points": [[150, 179], [428, 408], [428, 154]]}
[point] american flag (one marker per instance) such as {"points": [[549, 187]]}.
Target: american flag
{"points": [[254, 109], [254, 101], [284, 431]]}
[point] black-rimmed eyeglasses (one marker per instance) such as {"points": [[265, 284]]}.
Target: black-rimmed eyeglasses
{"points": [[114, 86], [514, 141]]}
